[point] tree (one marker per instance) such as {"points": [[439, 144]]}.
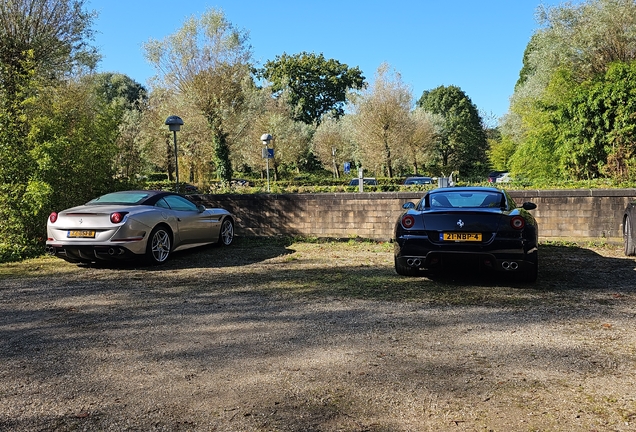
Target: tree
{"points": [[381, 121], [312, 85], [598, 136], [73, 141], [426, 129], [333, 143], [129, 98], [44, 39], [585, 38], [462, 145], [119, 88], [557, 120], [41, 41], [500, 150], [291, 138], [208, 60]]}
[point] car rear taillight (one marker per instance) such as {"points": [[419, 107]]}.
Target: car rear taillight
{"points": [[53, 217], [408, 221], [117, 217], [517, 222]]}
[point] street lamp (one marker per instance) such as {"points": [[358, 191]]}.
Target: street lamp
{"points": [[266, 138], [174, 124]]}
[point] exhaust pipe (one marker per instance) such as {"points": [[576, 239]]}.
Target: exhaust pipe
{"points": [[510, 265], [50, 250], [414, 262], [113, 251]]}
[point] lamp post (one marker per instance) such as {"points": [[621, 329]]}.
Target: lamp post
{"points": [[174, 124], [266, 138]]}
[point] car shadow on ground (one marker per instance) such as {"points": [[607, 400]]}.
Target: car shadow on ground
{"points": [[243, 251]]}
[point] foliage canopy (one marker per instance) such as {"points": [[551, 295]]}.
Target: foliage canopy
{"points": [[312, 85], [462, 143]]}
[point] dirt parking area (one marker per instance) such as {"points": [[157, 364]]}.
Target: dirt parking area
{"points": [[279, 335]]}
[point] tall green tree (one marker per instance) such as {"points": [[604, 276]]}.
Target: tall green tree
{"points": [[209, 60], [599, 128], [119, 88], [128, 97], [556, 124], [312, 85], [74, 142], [462, 146], [41, 42]]}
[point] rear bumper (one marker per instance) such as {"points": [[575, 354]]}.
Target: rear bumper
{"points": [[507, 255], [91, 253]]}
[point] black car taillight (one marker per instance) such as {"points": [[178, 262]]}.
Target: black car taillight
{"points": [[117, 217], [517, 222], [408, 221]]}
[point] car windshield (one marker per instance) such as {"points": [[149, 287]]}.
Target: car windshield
{"points": [[120, 198], [463, 199], [418, 181]]}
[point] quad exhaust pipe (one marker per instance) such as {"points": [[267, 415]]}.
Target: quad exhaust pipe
{"points": [[512, 265], [49, 250], [414, 262], [506, 265]]}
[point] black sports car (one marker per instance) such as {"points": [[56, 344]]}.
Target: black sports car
{"points": [[457, 226], [629, 235]]}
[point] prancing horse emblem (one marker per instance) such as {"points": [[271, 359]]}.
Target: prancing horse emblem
{"points": [[460, 223], [81, 221]]}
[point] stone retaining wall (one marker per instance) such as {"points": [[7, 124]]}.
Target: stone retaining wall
{"points": [[582, 214]]}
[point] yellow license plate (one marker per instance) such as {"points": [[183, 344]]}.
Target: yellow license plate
{"points": [[460, 236], [81, 234]]}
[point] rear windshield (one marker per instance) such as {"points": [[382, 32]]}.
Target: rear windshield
{"points": [[463, 199], [120, 198]]}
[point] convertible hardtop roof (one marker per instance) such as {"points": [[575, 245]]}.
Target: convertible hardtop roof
{"points": [[467, 189]]}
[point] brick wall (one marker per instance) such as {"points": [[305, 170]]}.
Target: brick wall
{"points": [[572, 214]]}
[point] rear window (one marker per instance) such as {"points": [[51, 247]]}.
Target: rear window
{"points": [[418, 181], [457, 199], [120, 198]]}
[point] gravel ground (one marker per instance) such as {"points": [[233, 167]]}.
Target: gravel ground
{"points": [[276, 336]]}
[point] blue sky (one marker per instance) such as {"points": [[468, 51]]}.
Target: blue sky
{"points": [[476, 45]]}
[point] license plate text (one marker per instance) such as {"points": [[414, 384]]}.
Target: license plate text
{"points": [[460, 236]]}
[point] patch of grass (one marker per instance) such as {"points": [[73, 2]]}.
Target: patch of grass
{"points": [[362, 269], [36, 267]]}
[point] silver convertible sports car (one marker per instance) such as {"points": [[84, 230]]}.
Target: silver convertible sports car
{"points": [[467, 228], [135, 224]]}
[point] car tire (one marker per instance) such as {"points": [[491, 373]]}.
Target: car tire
{"points": [[403, 270], [628, 237], [226, 234], [159, 245]]}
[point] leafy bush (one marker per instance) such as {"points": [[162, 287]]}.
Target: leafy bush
{"points": [[18, 252]]}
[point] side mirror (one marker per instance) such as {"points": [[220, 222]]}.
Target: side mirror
{"points": [[408, 205], [529, 206], [201, 208]]}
